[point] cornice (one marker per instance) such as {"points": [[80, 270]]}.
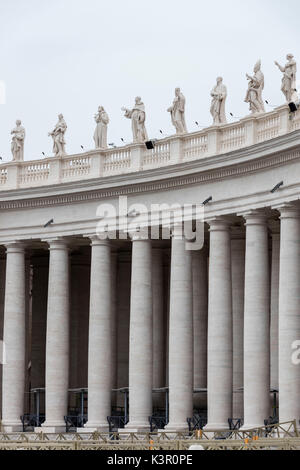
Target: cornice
{"points": [[273, 153]]}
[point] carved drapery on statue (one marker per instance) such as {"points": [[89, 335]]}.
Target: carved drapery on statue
{"points": [[58, 136], [217, 109], [17, 143], [289, 78], [177, 111], [138, 119], [255, 89], [100, 135]]}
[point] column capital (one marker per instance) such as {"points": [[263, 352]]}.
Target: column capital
{"points": [[141, 236], [288, 211], [57, 243], [254, 217], [96, 241], [15, 247], [219, 224]]}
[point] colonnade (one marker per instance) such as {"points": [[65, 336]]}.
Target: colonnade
{"points": [[233, 316]]}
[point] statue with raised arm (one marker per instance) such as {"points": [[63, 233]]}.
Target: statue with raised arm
{"points": [[255, 89], [138, 118], [17, 143], [219, 95], [177, 111], [289, 71], [100, 135], [58, 136]]}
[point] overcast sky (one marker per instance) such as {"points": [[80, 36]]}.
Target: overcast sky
{"points": [[71, 56]]}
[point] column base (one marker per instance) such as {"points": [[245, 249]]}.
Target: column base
{"points": [[176, 427], [216, 427], [12, 427], [248, 427], [90, 428], [135, 428], [55, 428]]}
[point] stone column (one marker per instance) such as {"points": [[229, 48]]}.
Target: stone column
{"points": [[13, 381], [2, 293], [274, 332], [200, 319], [219, 379], [289, 314], [256, 322], [238, 282], [100, 338], [57, 340], [140, 346], [158, 324], [180, 335]]}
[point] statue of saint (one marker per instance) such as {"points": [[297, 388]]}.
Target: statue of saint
{"points": [[138, 118], [58, 136], [17, 143], [177, 111], [217, 109], [255, 89], [289, 71], [100, 136]]}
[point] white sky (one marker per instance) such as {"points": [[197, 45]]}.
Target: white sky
{"points": [[71, 56]]}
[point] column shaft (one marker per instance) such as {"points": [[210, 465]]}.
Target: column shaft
{"points": [[289, 315], [180, 335], [256, 323], [13, 382], [219, 327], [100, 338], [141, 339], [57, 341]]}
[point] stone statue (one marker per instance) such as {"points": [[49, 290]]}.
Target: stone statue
{"points": [[289, 71], [138, 118], [58, 136], [177, 111], [255, 89], [17, 143], [100, 136], [219, 95]]}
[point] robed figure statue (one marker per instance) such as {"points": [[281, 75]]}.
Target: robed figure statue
{"points": [[58, 136], [138, 118], [100, 135], [255, 88]]}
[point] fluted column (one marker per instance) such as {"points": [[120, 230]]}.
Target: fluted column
{"points": [[13, 382], [256, 322], [289, 314], [100, 337], [180, 335], [141, 338], [200, 318], [57, 340], [238, 282], [158, 324], [219, 327]]}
